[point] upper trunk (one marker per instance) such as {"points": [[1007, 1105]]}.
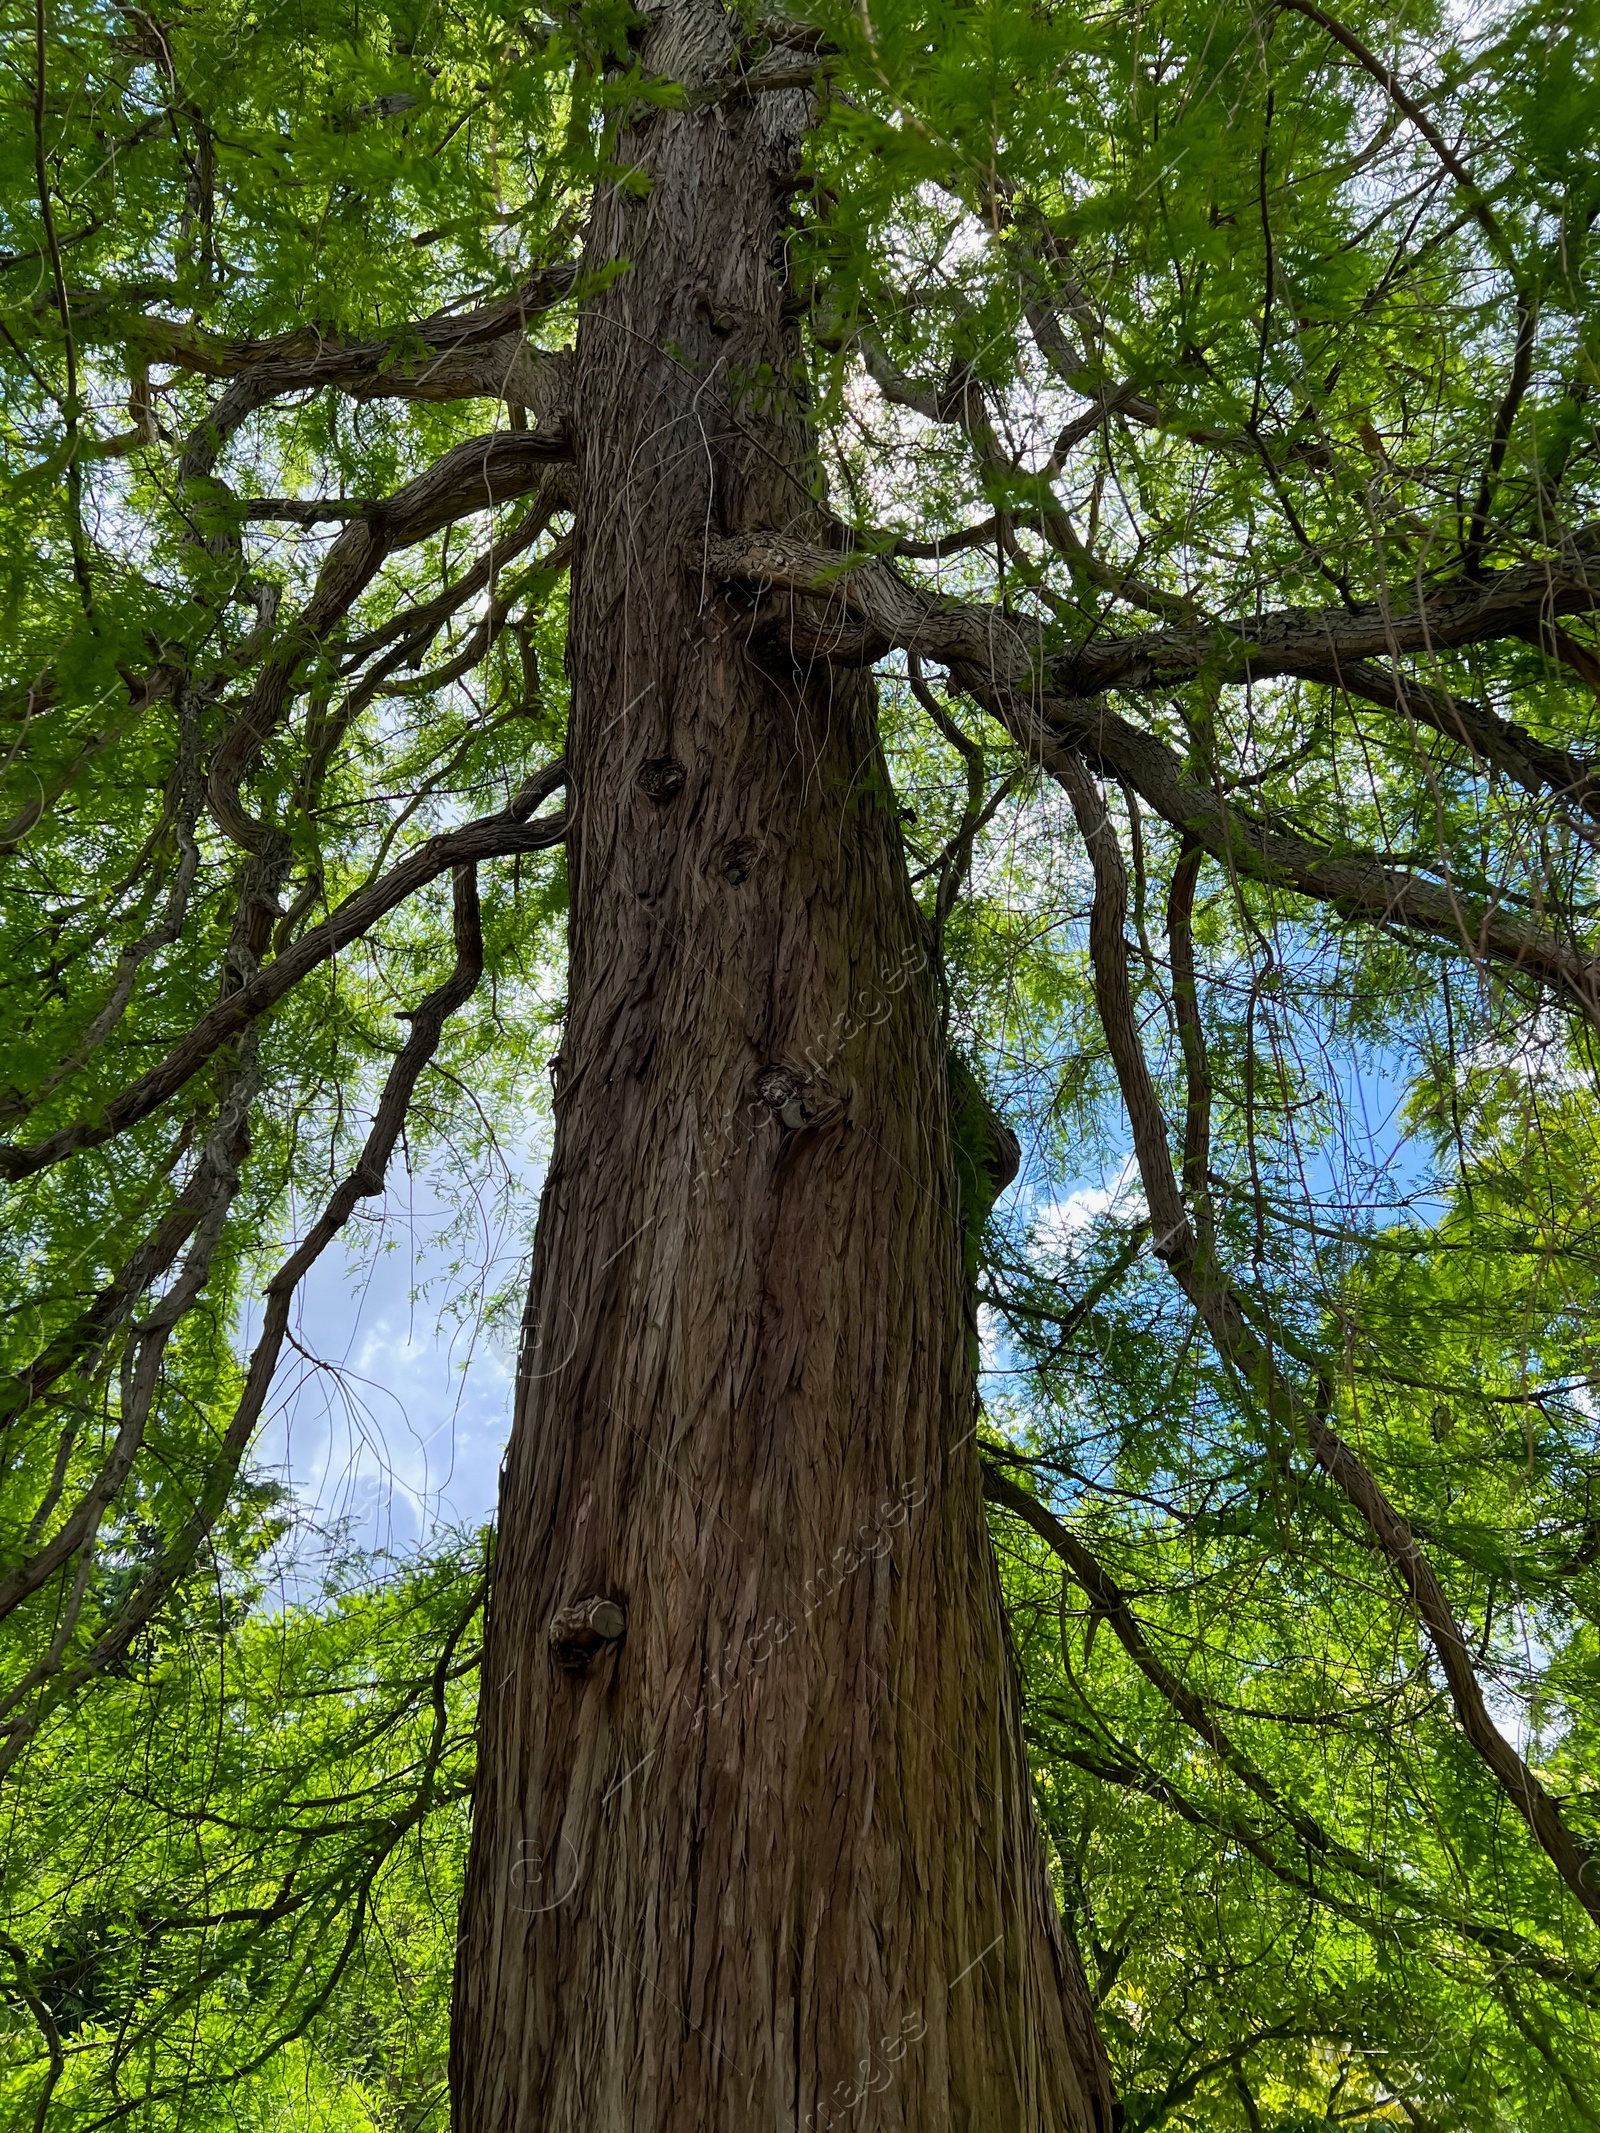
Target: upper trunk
{"points": [[774, 1846]]}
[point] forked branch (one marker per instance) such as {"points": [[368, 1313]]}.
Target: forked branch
{"points": [[491, 837]]}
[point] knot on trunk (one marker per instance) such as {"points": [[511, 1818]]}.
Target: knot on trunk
{"points": [[586, 1627], [661, 778], [797, 1099], [738, 860], [777, 1086]]}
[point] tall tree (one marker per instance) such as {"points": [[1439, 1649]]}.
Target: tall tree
{"points": [[776, 1824], [1206, 396]]}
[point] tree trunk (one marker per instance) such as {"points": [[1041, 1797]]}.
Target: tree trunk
{"points": [[755, 1847]]}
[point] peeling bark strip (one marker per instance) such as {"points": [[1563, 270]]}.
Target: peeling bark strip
{"points": [[693, 1914]]}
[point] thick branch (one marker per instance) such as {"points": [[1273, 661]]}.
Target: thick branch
{"points": [[297, 511], [1356, 883], [857, 613], [872, 608], [471, 477], [475, 355], [451, 356], [474, 475]]}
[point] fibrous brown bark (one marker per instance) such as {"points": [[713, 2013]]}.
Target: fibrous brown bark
{"points": [[753, 1843]]}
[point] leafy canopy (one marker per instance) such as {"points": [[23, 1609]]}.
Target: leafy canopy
{"points": [[1216, 384]]}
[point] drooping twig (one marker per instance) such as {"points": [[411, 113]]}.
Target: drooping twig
{"points": [[491, 837], [1221, 1312], [364, 1181]]}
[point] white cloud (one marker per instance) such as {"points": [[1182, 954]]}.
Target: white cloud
{"points": [[1060, 1224]]}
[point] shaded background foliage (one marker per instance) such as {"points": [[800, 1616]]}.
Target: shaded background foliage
{"points": [[1130, 319]]}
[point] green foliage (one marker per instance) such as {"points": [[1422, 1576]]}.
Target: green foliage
{"points": [[233, 1879]]}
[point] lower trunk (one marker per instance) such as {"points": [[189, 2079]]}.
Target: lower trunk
{"points": [[753, 1841]]}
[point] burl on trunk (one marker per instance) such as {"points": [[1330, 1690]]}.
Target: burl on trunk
{"points": [[753, 1843]]}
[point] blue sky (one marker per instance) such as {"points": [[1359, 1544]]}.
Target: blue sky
{"points": [[393, 1403]]}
